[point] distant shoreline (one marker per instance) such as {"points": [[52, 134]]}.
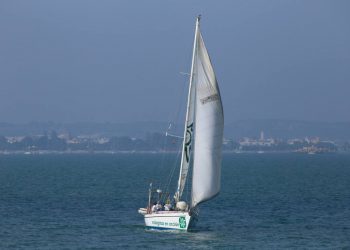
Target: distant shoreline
{"points": [[85, 152]]}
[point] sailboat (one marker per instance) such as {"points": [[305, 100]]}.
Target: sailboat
{"points": [[201, 147]]}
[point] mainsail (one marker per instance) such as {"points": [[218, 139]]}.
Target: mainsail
{"points": [[209, 125], [203, 128]]}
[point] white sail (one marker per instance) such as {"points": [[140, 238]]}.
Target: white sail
{"points": [[209, 125], [189, 126]]}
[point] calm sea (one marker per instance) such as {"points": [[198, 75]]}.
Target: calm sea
{"points": [[267, 201]]}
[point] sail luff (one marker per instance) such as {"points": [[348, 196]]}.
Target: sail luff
{"points": [[188, 131]]}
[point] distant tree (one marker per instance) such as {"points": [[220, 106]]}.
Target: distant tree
{"points": [[346, 146], [50, 141], [26, 143], [3, 143]]}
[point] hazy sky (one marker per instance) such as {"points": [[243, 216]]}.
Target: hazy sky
{"points": [[119, 61]]}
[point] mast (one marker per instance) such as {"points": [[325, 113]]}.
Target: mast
{"points": [[188, 127]]}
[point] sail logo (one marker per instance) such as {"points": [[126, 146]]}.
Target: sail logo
{"points": [[182, 222], [210, 98], [188, 141]]}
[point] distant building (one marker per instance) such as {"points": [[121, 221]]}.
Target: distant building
{"points": [[262, 135]]}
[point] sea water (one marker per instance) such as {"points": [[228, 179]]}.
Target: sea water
{"points": [[267, 201]]}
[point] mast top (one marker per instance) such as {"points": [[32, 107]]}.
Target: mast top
{"points": [[199, 17]]}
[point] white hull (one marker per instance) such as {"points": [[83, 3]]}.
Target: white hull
{"points": [[170, 220]]}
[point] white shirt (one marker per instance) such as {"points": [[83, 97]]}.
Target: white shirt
{"points": [[154, 208]]}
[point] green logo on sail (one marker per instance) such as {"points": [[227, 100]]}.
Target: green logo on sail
{"points": [[188, 140], [182, 222]]}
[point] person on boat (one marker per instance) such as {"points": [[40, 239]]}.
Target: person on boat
{"points": [[167, 207], [154, 207], [159, 206]]}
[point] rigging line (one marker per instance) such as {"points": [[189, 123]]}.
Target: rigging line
{"points": [[165, 154], [175, 115], [165, 185], [173, 170], [171, 135], [180, 105], [164, 139], [171, 174]]}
